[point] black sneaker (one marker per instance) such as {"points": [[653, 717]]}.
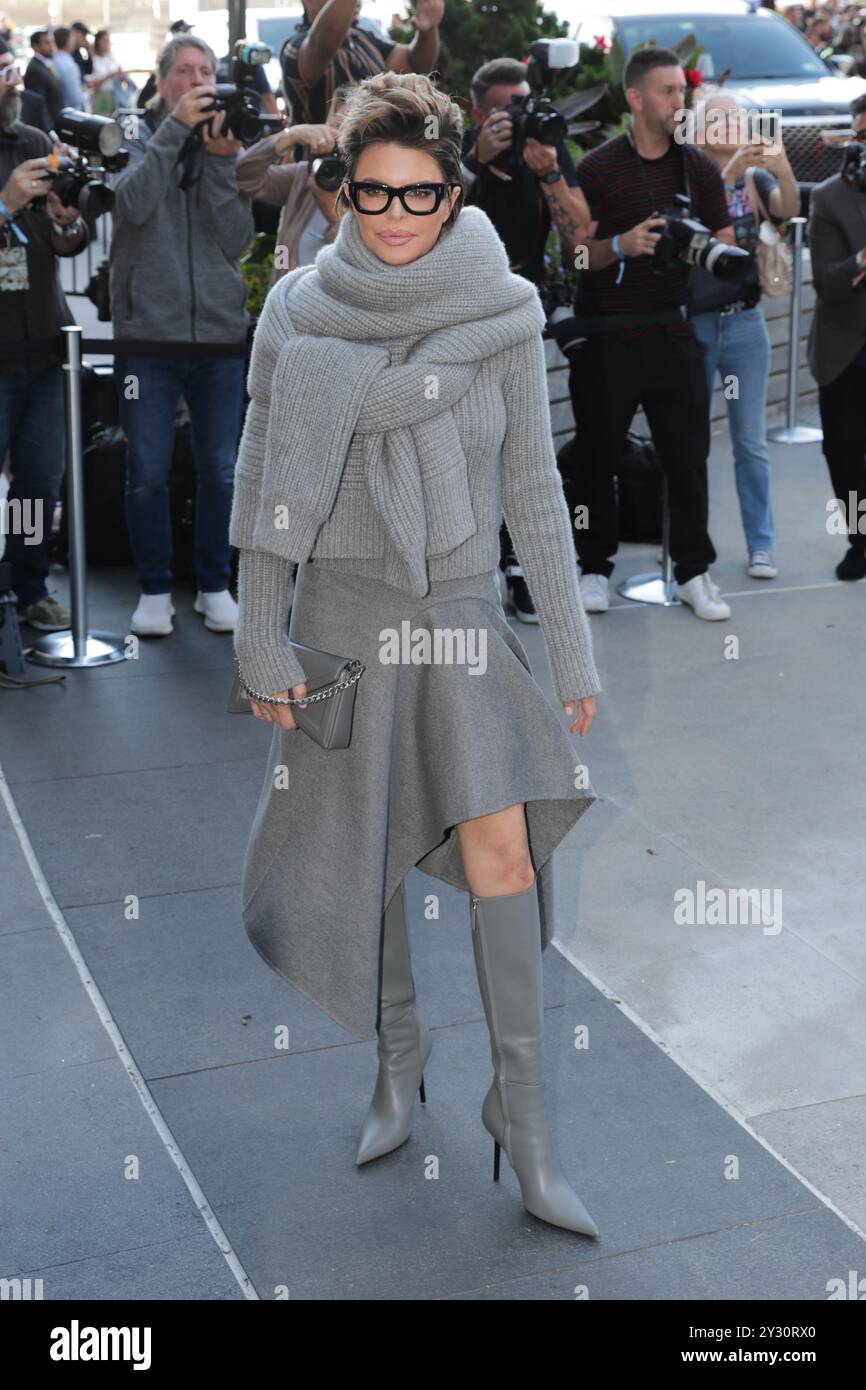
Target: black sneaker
{"points": [[853, 566], [519, 594]]}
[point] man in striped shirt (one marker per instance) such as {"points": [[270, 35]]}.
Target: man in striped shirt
{"points": [[330, 50], [657, 362]]}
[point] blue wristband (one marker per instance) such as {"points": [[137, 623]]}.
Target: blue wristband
{"points": [[614, 246], [11, 217]]}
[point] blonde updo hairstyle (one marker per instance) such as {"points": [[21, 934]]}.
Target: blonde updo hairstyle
{"points": [[403, 108]]}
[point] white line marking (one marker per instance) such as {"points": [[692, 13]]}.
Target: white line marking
{"points": [[722, 1101], [132, 1070]]}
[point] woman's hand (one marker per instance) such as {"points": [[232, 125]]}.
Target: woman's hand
{"points": [[279, 714], [587, 713], [320, 139], [583, 721]]}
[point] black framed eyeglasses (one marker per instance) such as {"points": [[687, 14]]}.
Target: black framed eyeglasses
{"points": [[421, 199]]}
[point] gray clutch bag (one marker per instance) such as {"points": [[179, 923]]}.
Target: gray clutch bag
{"points": [[325, 714]]}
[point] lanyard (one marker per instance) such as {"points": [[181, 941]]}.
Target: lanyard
{"points": [[640, 164]]}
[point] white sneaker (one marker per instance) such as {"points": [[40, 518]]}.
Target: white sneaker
{"points": [[761, 565], [595, 592], [152, 617], [704, 597], [219, 609]]}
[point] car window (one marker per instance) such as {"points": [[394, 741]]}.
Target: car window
{"points": [[750, 46]]}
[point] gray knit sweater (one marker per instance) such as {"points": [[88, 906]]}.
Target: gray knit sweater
{"points": [[503, 423]]}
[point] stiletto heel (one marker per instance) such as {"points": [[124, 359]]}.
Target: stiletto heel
{"points": [[422, 1092], [506, 941]]}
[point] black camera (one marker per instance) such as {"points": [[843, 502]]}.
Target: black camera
{"points": [[854, 165], [686, 241], [328, 171], [535, 115], [238, 98], [80, 181]]}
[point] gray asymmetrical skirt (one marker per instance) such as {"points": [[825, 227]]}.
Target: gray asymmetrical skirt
{"points": [[433, 743]]}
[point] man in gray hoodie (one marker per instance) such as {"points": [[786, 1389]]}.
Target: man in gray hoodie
{"points": [[180, 226]]}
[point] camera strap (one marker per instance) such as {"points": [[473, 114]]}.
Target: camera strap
{"points": [[684, 166], [191, 160]]}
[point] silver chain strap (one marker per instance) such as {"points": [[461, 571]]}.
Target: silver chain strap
{"points": [[355, 671]]}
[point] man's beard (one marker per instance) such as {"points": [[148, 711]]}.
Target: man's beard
{"points": [[10, 109]]}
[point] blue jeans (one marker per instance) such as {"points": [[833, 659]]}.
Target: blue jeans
{"points": [[213, 388], [738, 345], [33, 429]]}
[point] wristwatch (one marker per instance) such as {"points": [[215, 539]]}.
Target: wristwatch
{"points": [[73, 229], [552, 176]]}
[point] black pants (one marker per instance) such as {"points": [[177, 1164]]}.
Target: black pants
{"points": [[610, 376], [843, 420]]}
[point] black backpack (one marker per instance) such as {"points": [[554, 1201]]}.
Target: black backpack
{"points": [[639, 485], [640, 490]]}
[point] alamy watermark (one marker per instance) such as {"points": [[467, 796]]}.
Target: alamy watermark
{"points": [[728, 126], [437, 646], [719, 907], [23, 516]]}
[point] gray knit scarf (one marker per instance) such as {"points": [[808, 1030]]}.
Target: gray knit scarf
{"points": [[456, 305]]}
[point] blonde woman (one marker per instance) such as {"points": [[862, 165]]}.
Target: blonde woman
{"points": [[735, 339], [398, 409]]}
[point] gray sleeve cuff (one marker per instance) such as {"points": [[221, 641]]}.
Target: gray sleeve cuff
{"points": [[265, 590]]}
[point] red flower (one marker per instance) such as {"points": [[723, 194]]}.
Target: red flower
{"points": [[601, 42], [694, 77]]}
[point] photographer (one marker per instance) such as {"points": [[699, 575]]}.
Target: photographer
{"points": [[261, 94], [308, 217], [522, 196], [837, 339], [330, 50], [653, 359], [180, 226], [32, 106], [35, 228]]}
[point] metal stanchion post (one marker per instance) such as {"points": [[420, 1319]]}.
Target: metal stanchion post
{"points": [[792, 433], [78, 647], [655, 586]]}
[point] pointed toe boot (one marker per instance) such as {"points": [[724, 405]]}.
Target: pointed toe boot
{"points": [[404, 1045], [506, 940]]}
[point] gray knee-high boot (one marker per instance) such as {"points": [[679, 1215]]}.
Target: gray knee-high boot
{"points": [[506, 939], [404, 1043]]}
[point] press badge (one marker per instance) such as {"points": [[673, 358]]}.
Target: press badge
{"points": [[13, 268]]}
